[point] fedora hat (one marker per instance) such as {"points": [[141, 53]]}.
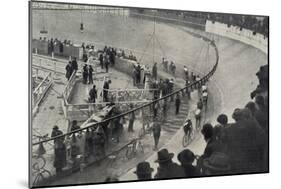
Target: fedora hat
{"points": [[164, 155], [186, 157], [217, 162], [143, 168], [55, 127]]}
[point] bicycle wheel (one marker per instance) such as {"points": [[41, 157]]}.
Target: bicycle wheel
{"points": [[38, 163], [140, 148], [141, 132], [185, 141], [37, 179], [192, 135], [129, 153]]}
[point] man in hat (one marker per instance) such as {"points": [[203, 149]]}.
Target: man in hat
{"points": [[99, 142], [212, 145], [134, 76], [177, 103], [167, 168], [258, 115], [156, 129], [187, 90], [222, 120], [101, 60], [154, 71], [105, 90], [187, 128], [186, 158], [69, 70], [74, 64], [85, 73], [59, 149], [93, 94], [165, 108], [131, 120], [138, 73], [155, 107], [219, 129], [74, 125], [171, 88], [144, 171], [106, 62], [246, 143], [165, 64], [90, 75], [56, 132]]}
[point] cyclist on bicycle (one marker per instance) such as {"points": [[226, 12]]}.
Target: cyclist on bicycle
{"points": [[205, 97], [204, 94], [200, 104], [187, 128], [204, 88]]}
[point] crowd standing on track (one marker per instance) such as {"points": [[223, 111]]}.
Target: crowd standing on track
{"points": [[96, 139]]}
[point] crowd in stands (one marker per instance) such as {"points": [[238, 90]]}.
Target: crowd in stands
{"points": [[254, 23], [258, 24]]}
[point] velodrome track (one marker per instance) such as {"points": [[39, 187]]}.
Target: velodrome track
{"points": [[230, 86]]}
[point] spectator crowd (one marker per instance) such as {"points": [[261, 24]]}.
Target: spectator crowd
{"points": [[258, 24]]}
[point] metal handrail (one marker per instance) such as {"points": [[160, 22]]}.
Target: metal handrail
{"points": [[71, 80], [37, 99], [42, 82], [202, 80]]}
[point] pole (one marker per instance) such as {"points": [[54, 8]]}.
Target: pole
{"points": [[153, 35], [55, 67], [40, 62]]}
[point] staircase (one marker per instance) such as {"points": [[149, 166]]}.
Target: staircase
{"points": [[174, 122]]}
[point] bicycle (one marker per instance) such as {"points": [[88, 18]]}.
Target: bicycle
{"points": [[40, 171], [188, 134], [134, 148], [39, 165], [146, 129]]}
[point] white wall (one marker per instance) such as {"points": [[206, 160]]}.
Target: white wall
{"points": [[245, 36]]}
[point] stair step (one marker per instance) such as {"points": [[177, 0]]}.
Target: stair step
{"points": [[181, 114], [171, 126], [169, 130], [173, 121], [176, 126]]}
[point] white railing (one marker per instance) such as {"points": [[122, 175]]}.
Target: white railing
{"points": [[40, 91]]}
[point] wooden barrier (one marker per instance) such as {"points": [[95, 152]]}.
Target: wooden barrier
{"points": [[83, 111], [60, 49]]}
